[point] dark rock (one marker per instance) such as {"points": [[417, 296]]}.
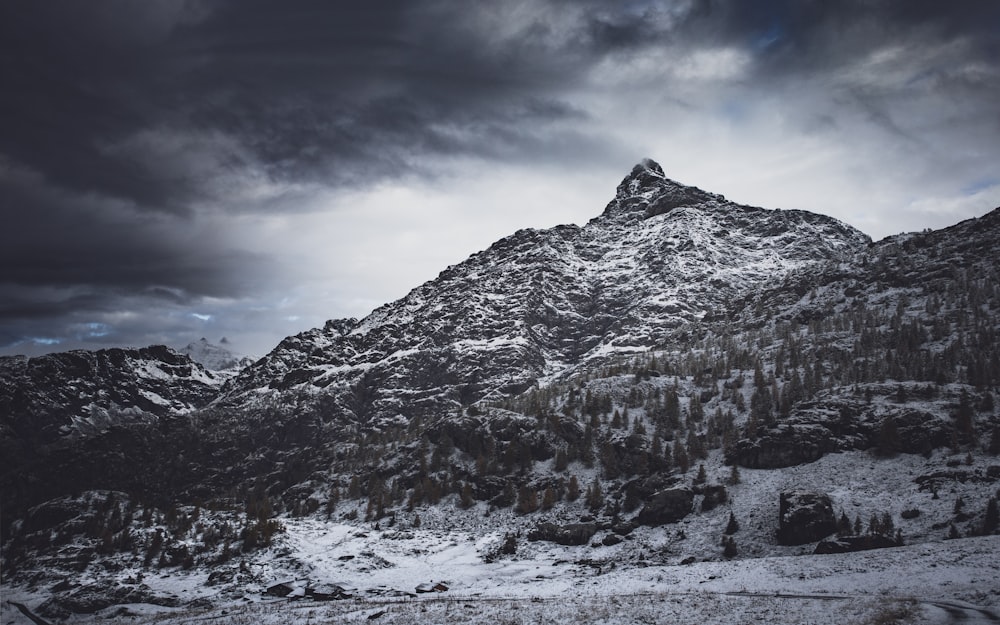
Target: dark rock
{"points": [[611, 540], [787, 446], [848, 544], [572, 534], [804, 517], [993, 471], [667, 506], [920, 432]]}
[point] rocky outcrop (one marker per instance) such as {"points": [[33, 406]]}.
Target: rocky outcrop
{"points": [[666, 506], [848, 544], [816, 428], [804, 517], [571, 534]]}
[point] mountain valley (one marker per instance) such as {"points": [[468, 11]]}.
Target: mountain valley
{"points": [[685, 395]]}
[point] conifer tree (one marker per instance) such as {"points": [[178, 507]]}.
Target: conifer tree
{"points": [[681, 460], [730, 550], [732, 526], [701, 476], [992, 519], [466, 500], [548, 498], [595, 496], [527, 500], [573, 489], [734, 475]]}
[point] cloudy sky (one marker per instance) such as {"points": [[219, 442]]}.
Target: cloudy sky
{"points": [[173, 169]]}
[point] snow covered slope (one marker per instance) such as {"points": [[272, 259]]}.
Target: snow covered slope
{"points": [[682, 382], [539, 302]]}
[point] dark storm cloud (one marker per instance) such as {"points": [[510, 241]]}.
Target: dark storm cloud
{"points": [[128, 128]]}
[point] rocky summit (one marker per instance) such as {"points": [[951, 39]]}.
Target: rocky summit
{"points": [[682, 380]]}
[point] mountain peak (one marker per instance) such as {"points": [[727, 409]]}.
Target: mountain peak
{"points": [[650, 165], [647, 176], [646, 192]]}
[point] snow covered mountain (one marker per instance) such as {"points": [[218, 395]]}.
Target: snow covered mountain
{"points": [[682, 379], [216, 357], [542, 302], [61, 414]]}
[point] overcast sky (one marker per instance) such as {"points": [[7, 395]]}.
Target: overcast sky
{"points": [[176, 169]]}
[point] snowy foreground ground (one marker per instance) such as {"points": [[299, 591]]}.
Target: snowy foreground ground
{"points": [[943, 582]]}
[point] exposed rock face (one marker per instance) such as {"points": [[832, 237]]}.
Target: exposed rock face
{"points": [[571, 534], [817, 428], [786, 446], [920, 432], [667, 506], [804, 517], [100, 419], [847, 544]]}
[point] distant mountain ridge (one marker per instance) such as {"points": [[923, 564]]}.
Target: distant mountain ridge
{"points": [[215, 357]]}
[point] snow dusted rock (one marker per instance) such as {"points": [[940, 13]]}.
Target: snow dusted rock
{"points": [[848, 544], [817, 428], [920, 432], [571, 534], [667, 506], [804, 517]]}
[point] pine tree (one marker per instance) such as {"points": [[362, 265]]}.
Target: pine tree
{"points": [[734, 475], [466, 500], [573, 489], [701, 477], [964, 419], [994, 446], [843, 525], [730, 550], [548, 498], [595, 496], [992, 518], [527, 500], [562, 461], [732, 526], [681, 460]]}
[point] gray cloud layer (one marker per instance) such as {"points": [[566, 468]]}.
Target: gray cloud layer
{"points": [[134, 135]]}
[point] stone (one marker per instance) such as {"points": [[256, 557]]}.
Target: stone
{"points": [[849, 544], [571, 534], [804, 517], [667, 506]]}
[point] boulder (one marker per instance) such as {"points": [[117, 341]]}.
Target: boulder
{"points": [[667, 506], [848, 544], [804, 517], [571, 534]]}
